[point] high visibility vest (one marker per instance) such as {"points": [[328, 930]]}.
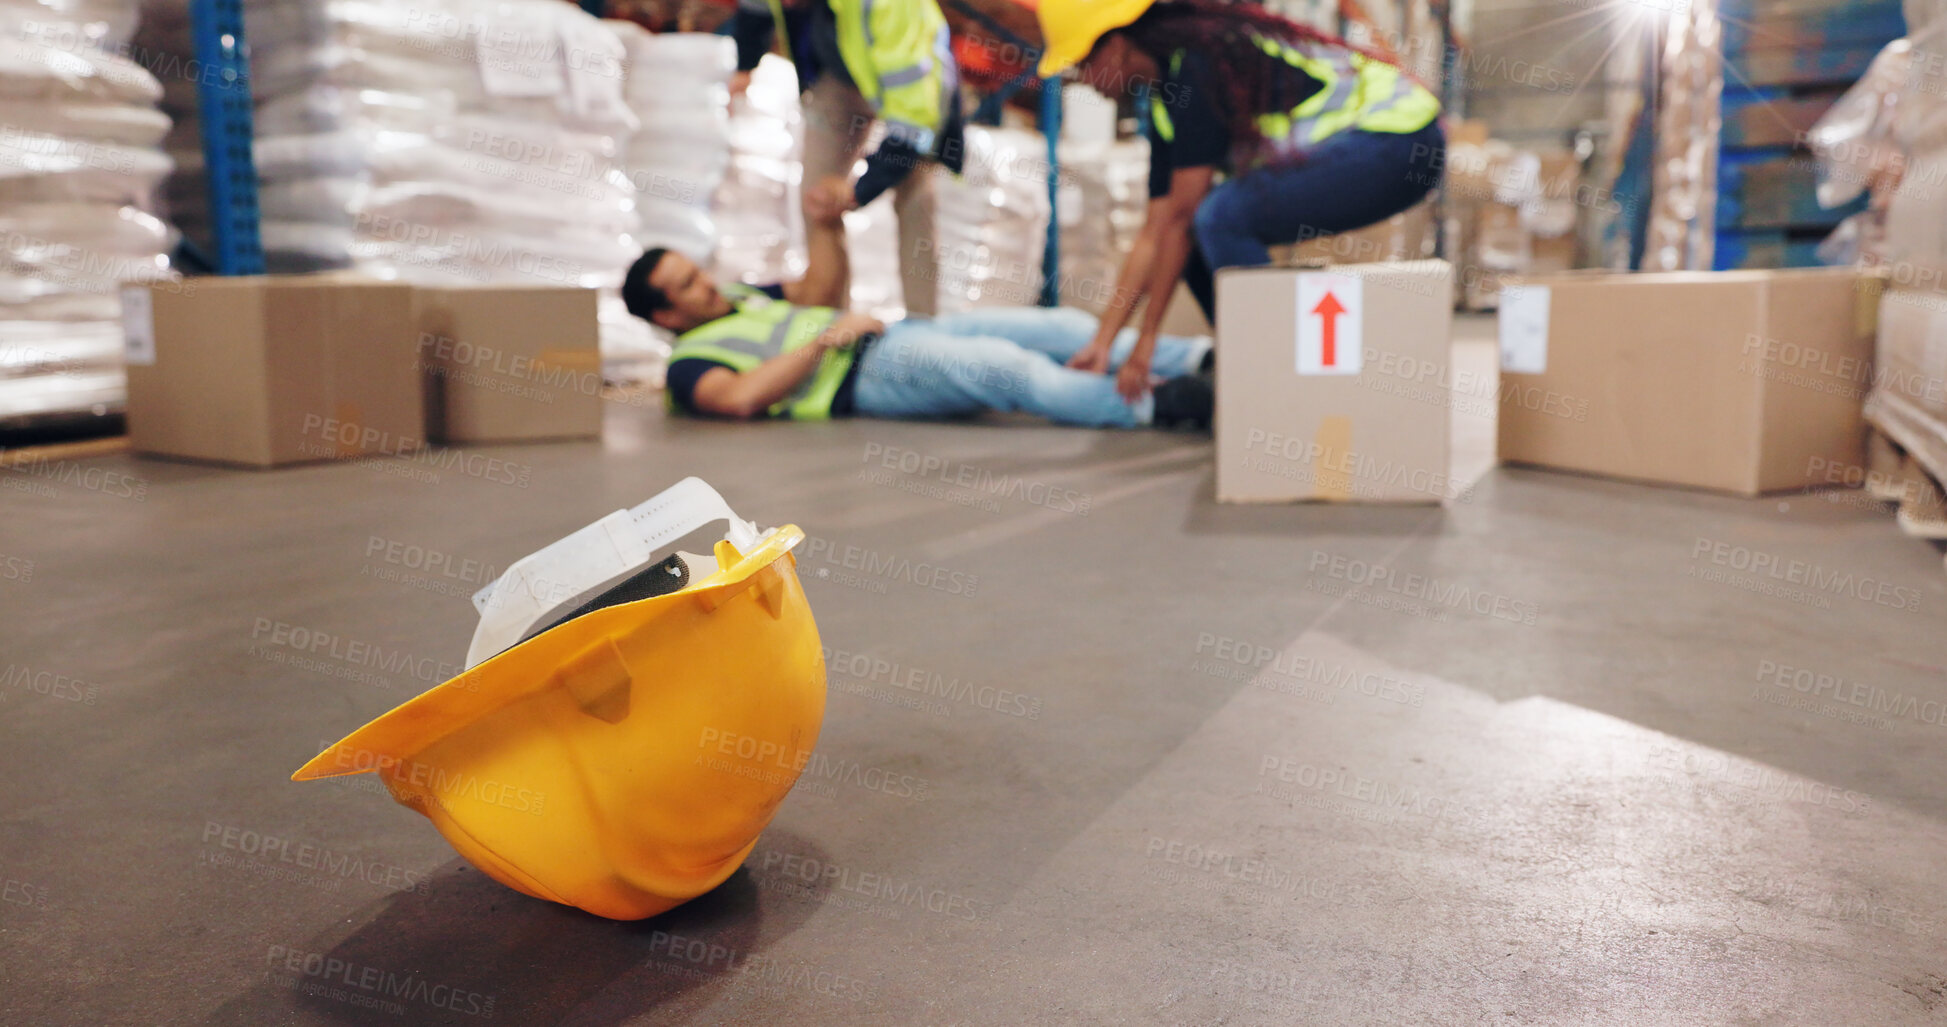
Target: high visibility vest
{"points": [[759, 328], [1356, 92], [900, 57]]}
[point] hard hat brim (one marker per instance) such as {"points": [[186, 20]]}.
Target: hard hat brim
{"points": [[1053, 64], [440, 711]]}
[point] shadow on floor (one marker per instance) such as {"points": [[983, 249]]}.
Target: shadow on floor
{"points": [[467, 950], [1287, 520]]}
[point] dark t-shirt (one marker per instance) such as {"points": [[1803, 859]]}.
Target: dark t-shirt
{"points": [[1194, 97], [685, 373]]}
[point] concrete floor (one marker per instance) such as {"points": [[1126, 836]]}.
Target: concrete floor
{"points": [[1413, 813]]}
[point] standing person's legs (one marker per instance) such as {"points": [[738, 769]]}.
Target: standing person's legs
{"points": [[916, 370], [837, 121], [1061, 332], [1356, 179], [915, 202]]}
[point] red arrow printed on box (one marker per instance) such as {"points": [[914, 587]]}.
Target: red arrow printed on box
{"points": [[1328, 311]]}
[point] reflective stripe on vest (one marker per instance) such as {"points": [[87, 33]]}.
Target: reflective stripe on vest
{"points": [[759, 328], [1355, 91], [1159, 115]]}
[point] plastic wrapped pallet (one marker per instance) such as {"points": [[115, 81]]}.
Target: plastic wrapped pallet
{"points": [[443, 142], [71, 25], [1682, 215], [1908, 401], [462, 140], [717, 176], [1525, 223], [80, 170], [164, 46], [1103, 195], [872, 252], [760, 236], [679, 86], [989, 229], [992, 226]]}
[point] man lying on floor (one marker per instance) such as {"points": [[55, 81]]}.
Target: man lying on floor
{"points": [[784, 352]]}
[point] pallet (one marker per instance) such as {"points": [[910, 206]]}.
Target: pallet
{"points": [[1894, 476], [64, 450]]}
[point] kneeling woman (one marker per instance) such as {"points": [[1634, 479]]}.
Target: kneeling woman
{"points": [[1313, 135]]}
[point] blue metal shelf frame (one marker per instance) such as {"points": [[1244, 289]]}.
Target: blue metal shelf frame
{"points": [[1831, 43], [223, 96], [1051, 253]]}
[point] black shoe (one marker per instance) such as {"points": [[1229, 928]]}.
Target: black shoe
{"points": [[1189, 400]]}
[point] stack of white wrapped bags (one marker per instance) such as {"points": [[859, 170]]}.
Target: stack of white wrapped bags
{"points": [[443, 141], [80, 168]]}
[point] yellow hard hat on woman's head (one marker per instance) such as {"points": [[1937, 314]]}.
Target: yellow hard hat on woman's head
{"points": [[1070, 28]]}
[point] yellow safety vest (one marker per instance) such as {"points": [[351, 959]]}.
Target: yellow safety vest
{"points": [[759, 328], [899, 54], [1356, 92]]}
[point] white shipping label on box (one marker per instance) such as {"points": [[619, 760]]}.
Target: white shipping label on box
{"points": [[1331, 324], [138, 327], [1524, 329]]}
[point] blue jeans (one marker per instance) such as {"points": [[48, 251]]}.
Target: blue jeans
{"points": [[1007, 358], [1354, 179]]}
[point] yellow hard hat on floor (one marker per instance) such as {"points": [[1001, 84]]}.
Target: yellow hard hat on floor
{"points": [[606, 751], [1069, 28]]}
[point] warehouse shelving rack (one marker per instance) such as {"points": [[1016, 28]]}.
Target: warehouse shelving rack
{"points": [[1785, 62], [223, 97], [225, 104]]}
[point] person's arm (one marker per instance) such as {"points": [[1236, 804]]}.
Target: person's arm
{"points": [[1150, 269], [1188, 186], [1131, 284], [886, 167], [748, 394], [827, 280], [1132, 279]]}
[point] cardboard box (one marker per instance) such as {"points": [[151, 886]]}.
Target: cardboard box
{"points": [[507, 363], [1795, 65], [1517, 212], [1779, 192], [1468, 132], [1759, 119], [1738, 381], [1810, 24], [265, 371], [1334, 384]]}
